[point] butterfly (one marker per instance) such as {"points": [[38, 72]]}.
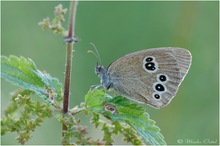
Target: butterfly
{"points": [[150, 76]]}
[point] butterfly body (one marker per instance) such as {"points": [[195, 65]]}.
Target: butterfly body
{"points": [[150, 76]]}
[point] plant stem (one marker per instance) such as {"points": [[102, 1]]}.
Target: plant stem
{"points": [[70, 40]]}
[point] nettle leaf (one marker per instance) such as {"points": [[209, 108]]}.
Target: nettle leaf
{"points": [[123, 110], [23, 73]]}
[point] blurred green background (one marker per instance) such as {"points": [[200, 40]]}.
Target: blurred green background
{"points": [[116, 29]]}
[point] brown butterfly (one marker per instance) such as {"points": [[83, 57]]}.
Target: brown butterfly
{"points": [[150, 76]]}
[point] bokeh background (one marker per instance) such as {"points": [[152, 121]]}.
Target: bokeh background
{"points": [[116, 29]]}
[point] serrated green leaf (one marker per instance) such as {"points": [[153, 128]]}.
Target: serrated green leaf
{"points": [[125, 111], [23, 72], [94, 98]]}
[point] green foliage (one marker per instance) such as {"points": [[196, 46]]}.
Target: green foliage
{"points": [[26, 118], [77, 133], [56, 24], [13, 106], [119, 109], [115, 128], [23, 73], [24, 115]]}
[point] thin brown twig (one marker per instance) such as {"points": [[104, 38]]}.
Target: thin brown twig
{"points": [[70, 40]]}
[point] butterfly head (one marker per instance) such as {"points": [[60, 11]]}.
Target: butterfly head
{"points": [[99, 70], [102, 72]]}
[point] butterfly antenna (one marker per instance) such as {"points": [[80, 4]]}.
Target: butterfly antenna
{"points": [[96, 53]]}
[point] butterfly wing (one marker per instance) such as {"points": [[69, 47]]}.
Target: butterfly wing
{"points": [[150, 76]]}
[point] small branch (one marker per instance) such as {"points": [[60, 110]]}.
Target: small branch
{"points": [[70, 41], [76, 110]]}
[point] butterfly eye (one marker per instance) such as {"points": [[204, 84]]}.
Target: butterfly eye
{"points": [[159, 87], [99, 69], [149, 59], [156, 95], [150, 66], [162, 78]]}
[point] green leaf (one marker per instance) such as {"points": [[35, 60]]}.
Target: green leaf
{"points": [[124, 110], [22, 72], [94, 98]]}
